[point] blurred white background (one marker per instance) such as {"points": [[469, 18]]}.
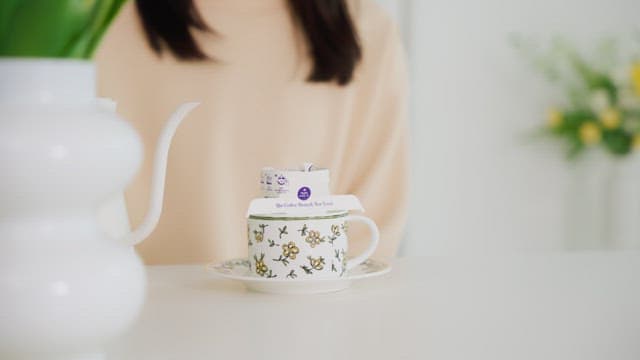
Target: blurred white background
{"points": [[479, 185]]}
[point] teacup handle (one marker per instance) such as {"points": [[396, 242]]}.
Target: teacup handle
{"points": [[373, 243]]}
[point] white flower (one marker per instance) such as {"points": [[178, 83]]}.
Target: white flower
{"points": [[599, 101]]}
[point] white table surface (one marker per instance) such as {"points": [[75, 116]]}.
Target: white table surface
{"points": [[554, 306]]}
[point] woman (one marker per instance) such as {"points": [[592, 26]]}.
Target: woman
{"points": [[281, 83]]}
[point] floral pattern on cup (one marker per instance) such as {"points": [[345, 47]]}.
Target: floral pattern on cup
{"points": [[336, 232], [289, 252], [314, 264], [292, 274], [340, 257], [298, 247], [314, 238], [262, 269], [303, 230], [282, 231], [259, 234], [290, 249]]}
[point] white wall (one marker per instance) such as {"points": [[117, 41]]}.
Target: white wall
{"points": [[479, 184]]}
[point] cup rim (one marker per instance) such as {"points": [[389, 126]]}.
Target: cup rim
{"points": [[288, 217]]}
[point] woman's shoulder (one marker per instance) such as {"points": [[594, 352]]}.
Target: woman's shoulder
{"points": [[377, 31], [370, 18], [379, 37]]}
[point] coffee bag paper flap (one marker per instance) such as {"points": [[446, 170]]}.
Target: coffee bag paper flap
{"points": [[316, 205], [305, 183]]}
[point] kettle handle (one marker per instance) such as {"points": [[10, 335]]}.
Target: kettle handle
{"points": [[159, 174]]}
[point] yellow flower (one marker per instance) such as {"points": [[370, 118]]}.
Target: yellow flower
{"points": [[317, 263], [290, 250], [610, 118], [554, 118], [314, 238], [636, 142], [261, 267], [590, 133], [635, 77], [335, 229]]}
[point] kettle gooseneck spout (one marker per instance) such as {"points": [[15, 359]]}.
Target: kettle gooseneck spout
{"points": [[159, 174]]}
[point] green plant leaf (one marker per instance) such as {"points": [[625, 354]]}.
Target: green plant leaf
{"points": [[84, 45], [102, 29], [54, 28], [618, 142], [594, 79], [7, 8], [42, 28]]}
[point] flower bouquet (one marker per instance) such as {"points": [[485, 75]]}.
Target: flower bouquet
{"points": [[602, 103]]}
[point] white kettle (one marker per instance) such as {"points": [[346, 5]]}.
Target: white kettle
{"points": [[67, 288]]}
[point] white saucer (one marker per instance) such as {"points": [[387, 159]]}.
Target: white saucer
{"points": [[238, 269]]}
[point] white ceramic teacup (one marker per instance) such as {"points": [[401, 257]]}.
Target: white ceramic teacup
{"points": [[304, 247]]}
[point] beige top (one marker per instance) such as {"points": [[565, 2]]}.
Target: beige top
{"points": [[257, 110]]}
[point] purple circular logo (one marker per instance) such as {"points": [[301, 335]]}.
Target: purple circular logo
{"points": [[304, 193], [282, 180]]}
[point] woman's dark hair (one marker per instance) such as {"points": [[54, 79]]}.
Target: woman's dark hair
{"points": [[327, 26]]}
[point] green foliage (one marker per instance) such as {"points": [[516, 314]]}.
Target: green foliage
{"points": [[54, 28], [617, 141]]}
